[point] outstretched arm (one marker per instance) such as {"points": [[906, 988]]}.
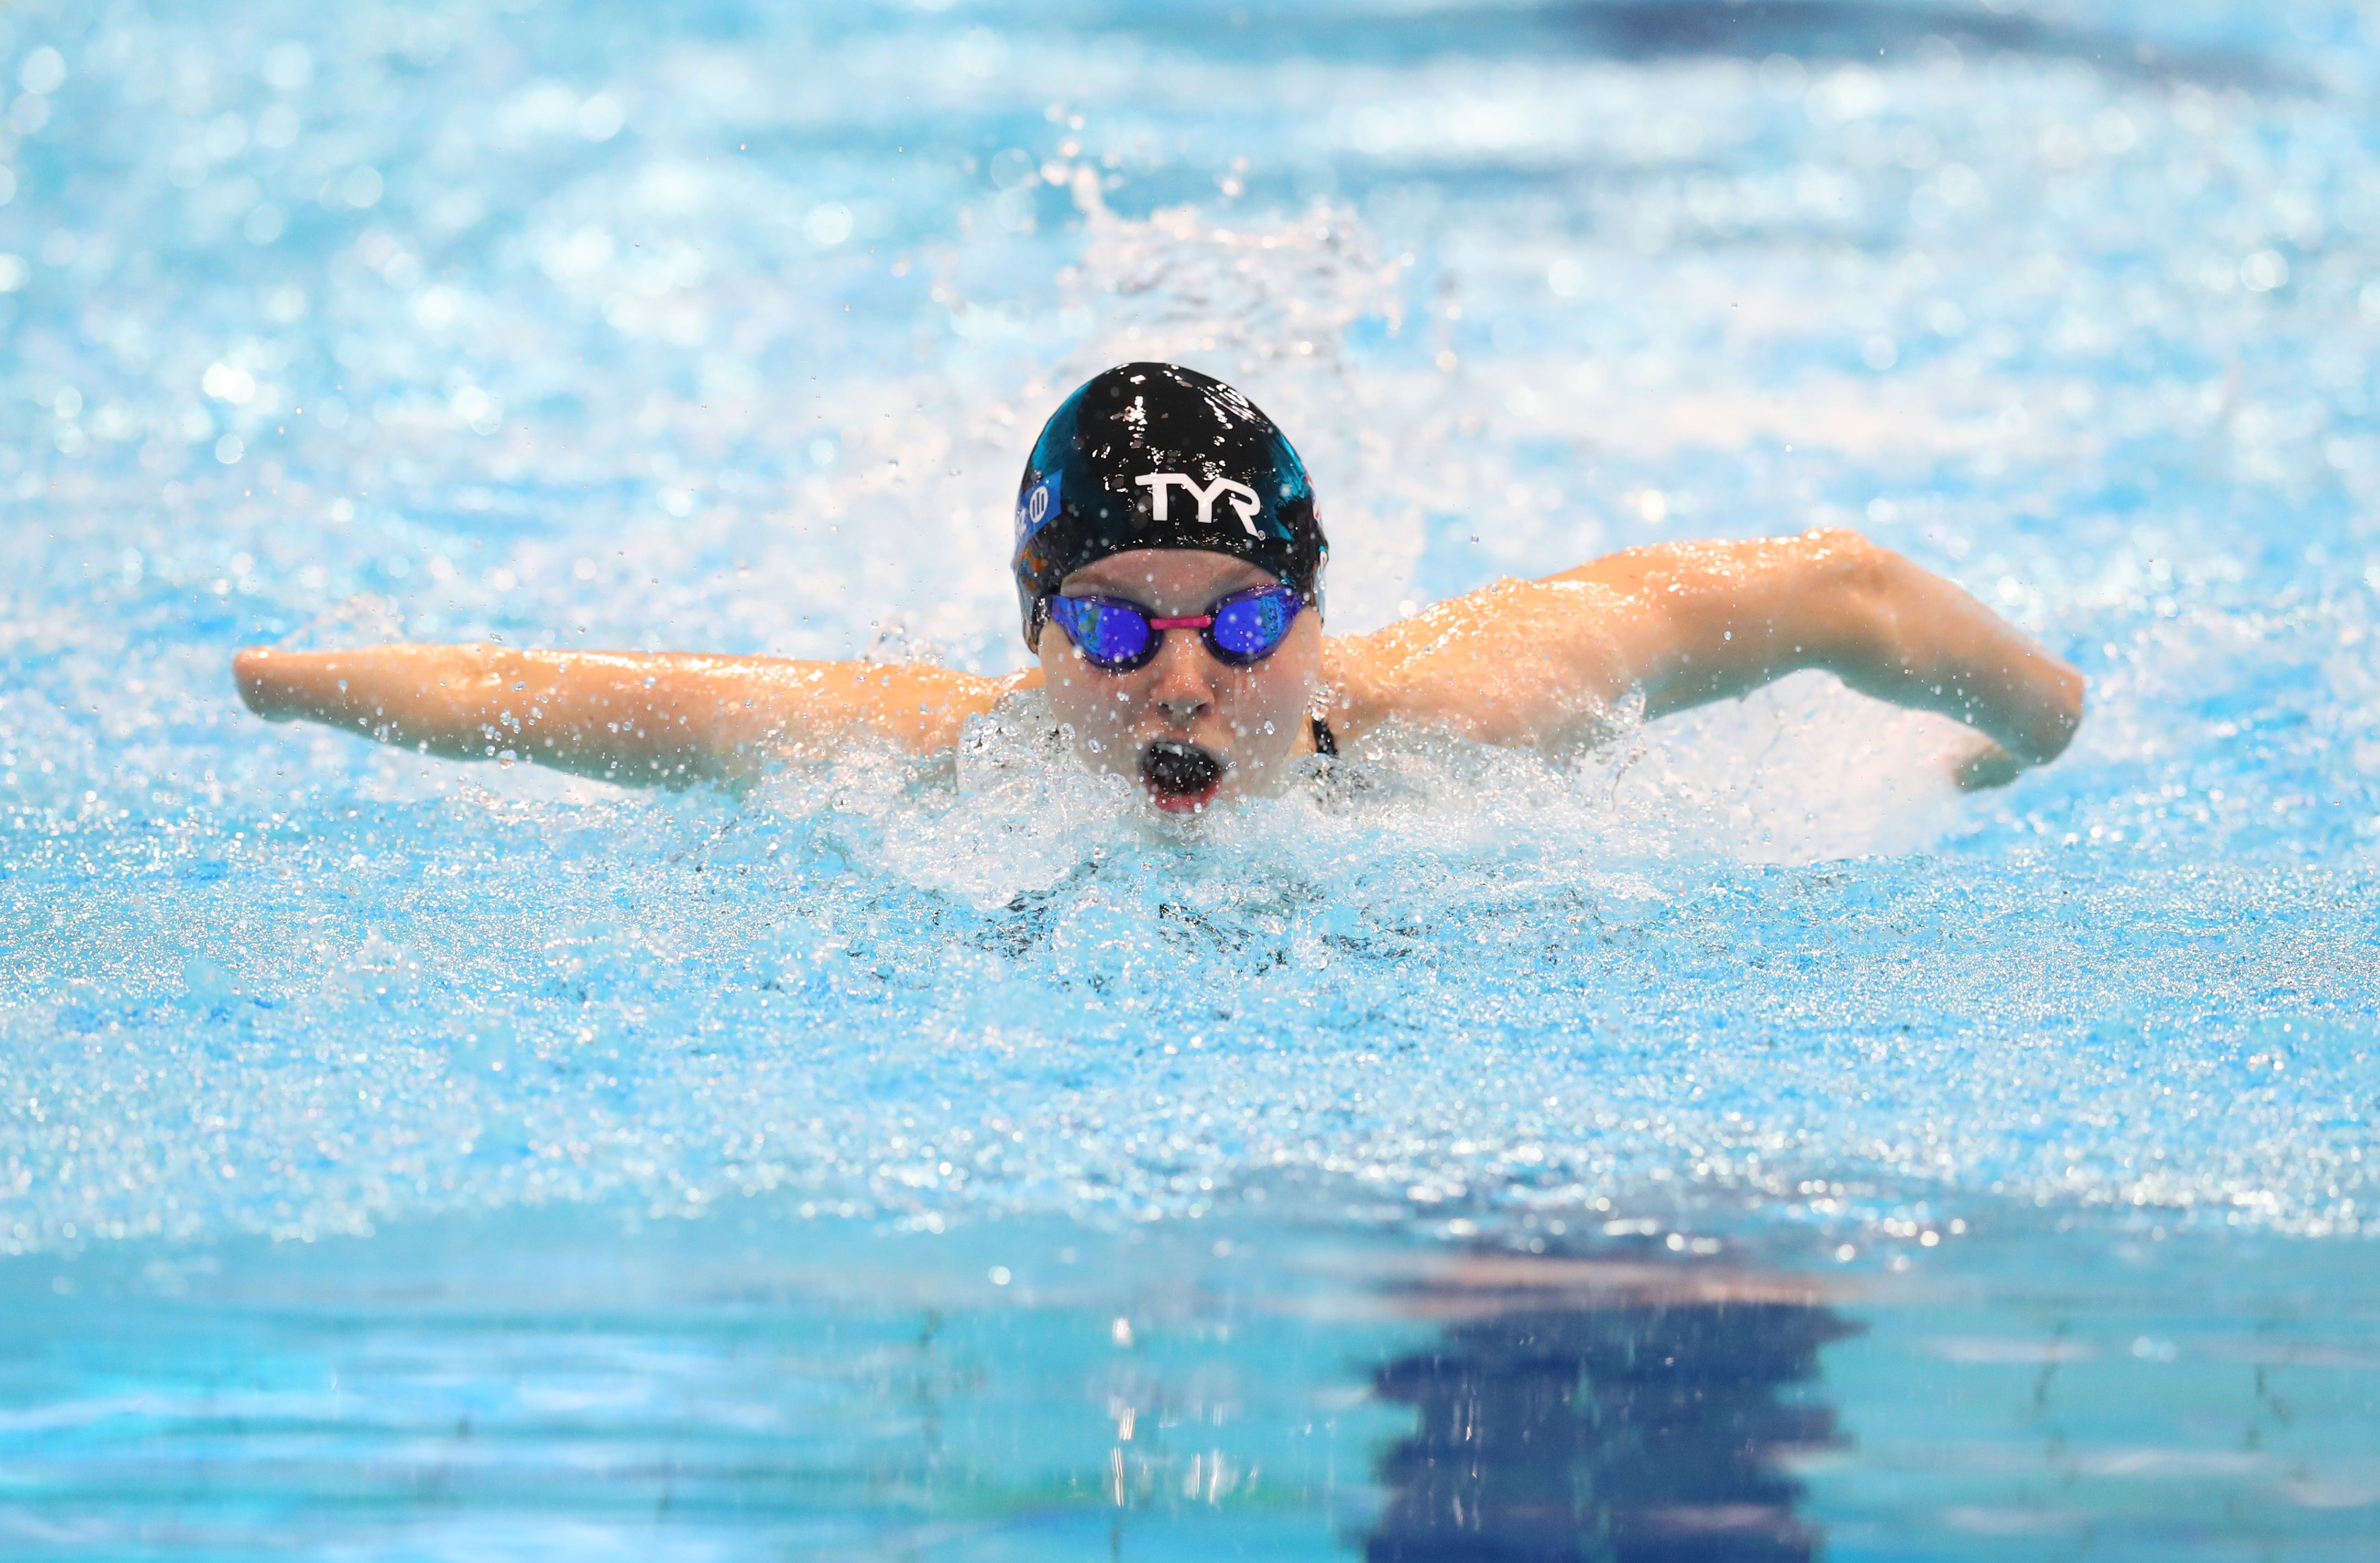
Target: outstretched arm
{"points": [[661, 717], [1541, 661]]}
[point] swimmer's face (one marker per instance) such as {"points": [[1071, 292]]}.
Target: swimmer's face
{"points": [[1155, 722]]}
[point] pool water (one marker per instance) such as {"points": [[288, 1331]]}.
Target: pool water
{"points": [[1727, 1143]]}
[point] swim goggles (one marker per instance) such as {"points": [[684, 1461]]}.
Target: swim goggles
{"points": [[1117, 637]]}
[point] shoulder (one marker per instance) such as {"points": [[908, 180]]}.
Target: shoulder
{"points": [[1515, 662], [1505, 621]]}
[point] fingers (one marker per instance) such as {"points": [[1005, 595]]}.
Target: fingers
{"points": [[259, 689], [1984, 766]]}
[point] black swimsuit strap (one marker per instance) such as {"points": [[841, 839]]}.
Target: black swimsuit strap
{"points": [[1324, 744]]}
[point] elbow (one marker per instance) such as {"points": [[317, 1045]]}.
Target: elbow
{"points": [[1854, 564], [1862, 586]]}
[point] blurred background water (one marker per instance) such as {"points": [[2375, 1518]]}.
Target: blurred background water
{"points": [[406, 1159]]}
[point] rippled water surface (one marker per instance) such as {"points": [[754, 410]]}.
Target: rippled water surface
{"points": [[407, 1159]]}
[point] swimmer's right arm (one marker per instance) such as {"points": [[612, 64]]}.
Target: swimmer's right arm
{"points": [[666, 717]]}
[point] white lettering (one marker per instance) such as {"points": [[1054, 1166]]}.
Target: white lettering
{"points": [[1243, 499]]}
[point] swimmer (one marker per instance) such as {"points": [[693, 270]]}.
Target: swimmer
{"points": [[1169, 565]]}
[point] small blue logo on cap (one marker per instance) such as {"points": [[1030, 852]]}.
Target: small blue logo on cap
{"points": [[1033, 511]]}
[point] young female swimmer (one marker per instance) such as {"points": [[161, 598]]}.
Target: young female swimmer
{"points": [[1168, 531]]}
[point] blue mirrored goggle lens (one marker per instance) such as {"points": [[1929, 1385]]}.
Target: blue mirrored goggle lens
{"points": [[1253, 626], [1107, 635]]}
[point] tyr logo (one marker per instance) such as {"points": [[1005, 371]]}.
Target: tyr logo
{"points": [[1243, 499]]}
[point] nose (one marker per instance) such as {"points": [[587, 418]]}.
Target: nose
{"points": [[1182, 689]]}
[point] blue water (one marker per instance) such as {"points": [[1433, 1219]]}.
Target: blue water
{"points": [[407, 1159]]}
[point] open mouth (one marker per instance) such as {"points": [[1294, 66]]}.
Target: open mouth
{"points": [[1181, 778]]}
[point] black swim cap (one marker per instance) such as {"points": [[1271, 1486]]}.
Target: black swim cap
{"points": [[1155, 455]]}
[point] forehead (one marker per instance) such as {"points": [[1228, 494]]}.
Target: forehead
{"points": [[1166, 571]]}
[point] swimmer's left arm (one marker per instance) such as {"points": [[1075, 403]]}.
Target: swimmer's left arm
{"points": [[1709, 620], [1540, 661]]}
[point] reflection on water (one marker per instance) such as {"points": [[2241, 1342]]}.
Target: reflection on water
{"points": [[1623, 1413], [753, 1384], [1814, 31]]}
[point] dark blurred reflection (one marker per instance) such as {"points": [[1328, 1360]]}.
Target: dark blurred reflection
{"points": [[1606, 1412], [1815, 33], [1867, 30]]}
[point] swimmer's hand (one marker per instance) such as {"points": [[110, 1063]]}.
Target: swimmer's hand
{"points": [[1982, 765], [664, 718]]}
